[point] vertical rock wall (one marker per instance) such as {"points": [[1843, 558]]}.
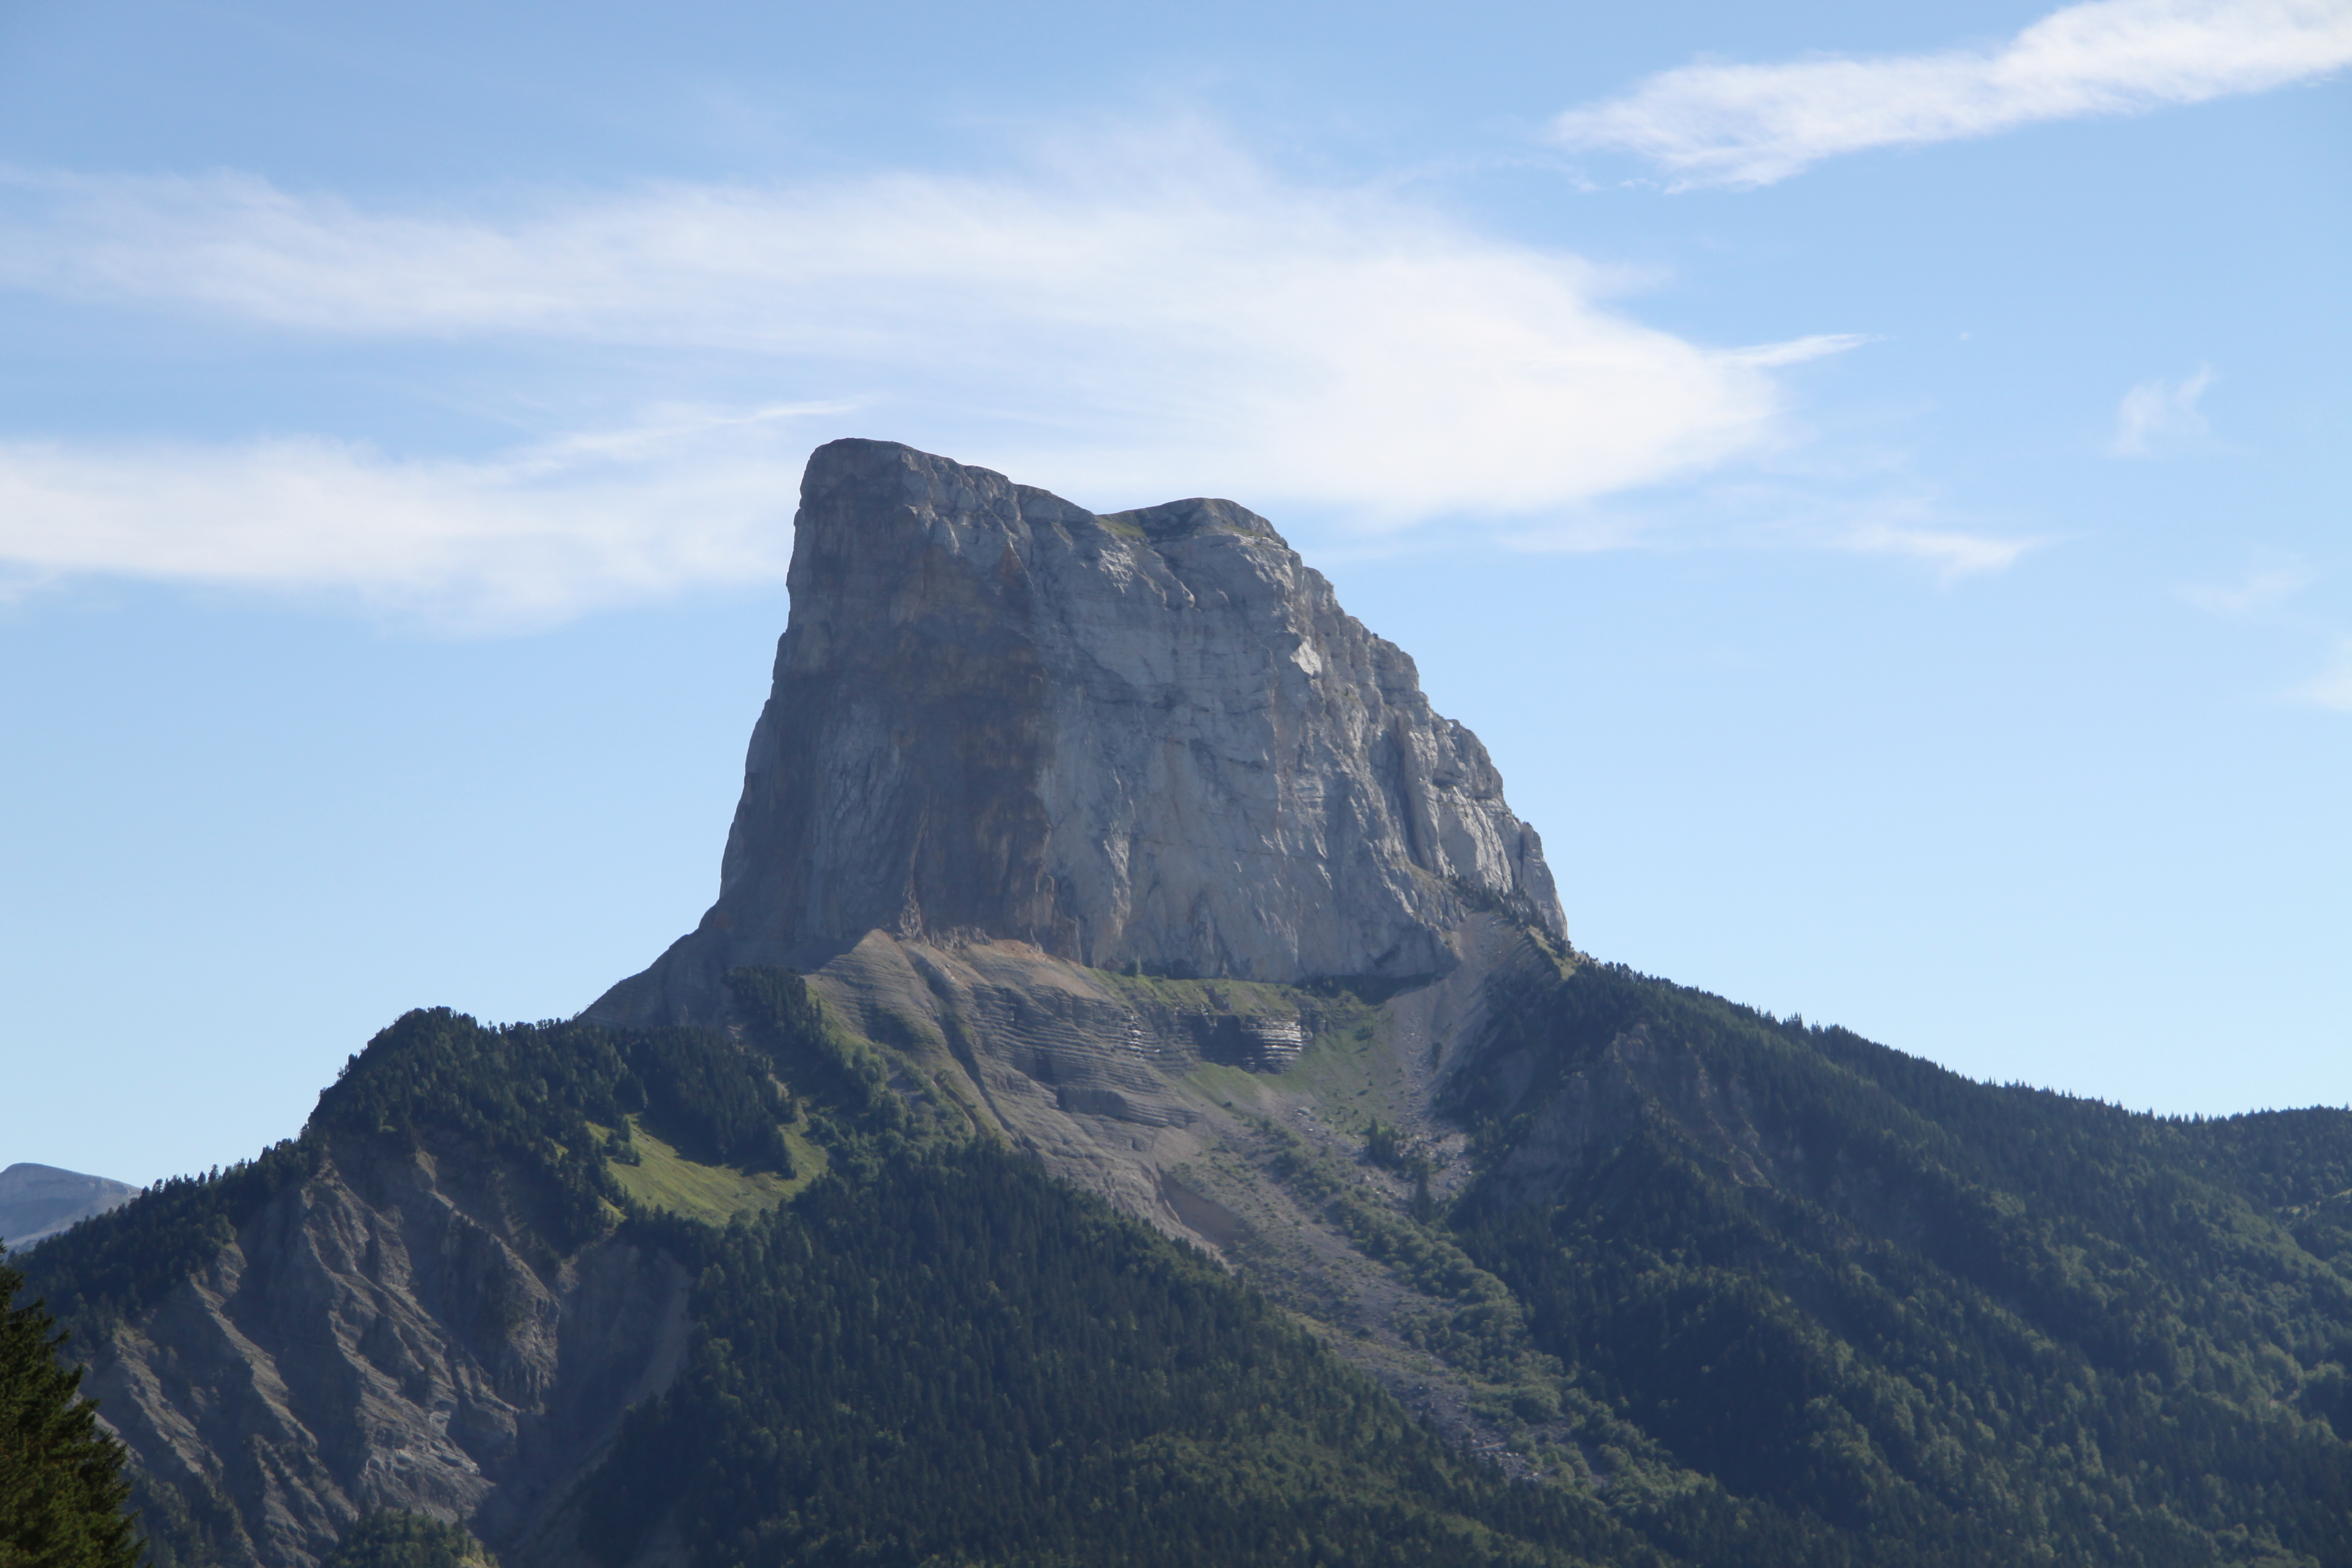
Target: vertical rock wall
{"points": [[1149, 739]]}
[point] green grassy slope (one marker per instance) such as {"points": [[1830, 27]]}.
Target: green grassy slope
{"points": [[660, 1177]]}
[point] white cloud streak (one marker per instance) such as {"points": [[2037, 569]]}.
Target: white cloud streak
{"points": [[2158, 414], [2263, 588], [2267, 595], [1159, 319], [525, 540], [1952, 553], [1172, 318], [1746, 125], [1775, 516]]}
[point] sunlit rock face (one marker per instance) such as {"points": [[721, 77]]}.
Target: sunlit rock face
{"points": [[1148, 741]]}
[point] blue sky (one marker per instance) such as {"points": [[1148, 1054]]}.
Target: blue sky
{"points": [[1873, 476]]}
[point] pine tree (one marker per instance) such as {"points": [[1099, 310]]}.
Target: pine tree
{"points": [[389, 1537], [62, 1487]]}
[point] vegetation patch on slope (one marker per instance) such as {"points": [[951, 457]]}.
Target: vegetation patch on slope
{"points": [[965, 1361], [392, 1538], [536, 1097], [654, 1174]]}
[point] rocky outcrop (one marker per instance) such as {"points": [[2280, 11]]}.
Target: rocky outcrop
{"points": [[1100, 1074], [1222, 1112], [1146, 741], [389, 1334]]}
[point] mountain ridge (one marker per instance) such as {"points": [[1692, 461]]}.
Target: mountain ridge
{"points": [[1434, 1237]]}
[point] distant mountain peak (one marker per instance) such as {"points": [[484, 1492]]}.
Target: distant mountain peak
{"points": [[1148, 740], [36, 1202]]}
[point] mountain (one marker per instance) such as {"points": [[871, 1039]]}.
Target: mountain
{"points": [[36, 1202], [1152, 742], [1134, 1102]]}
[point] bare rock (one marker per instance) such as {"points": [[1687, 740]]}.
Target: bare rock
{"points": [[1152, 741], [387, 1334]]}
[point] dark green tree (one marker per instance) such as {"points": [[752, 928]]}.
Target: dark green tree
{"points": [[388, 1538], [61, 1483]]}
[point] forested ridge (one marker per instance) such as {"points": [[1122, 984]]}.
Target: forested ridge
{"points": [[386, 1538], [554, 1101], [1819, 1302], [1952, 1322]]}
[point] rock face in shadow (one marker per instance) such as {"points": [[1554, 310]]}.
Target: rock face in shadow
{"points": [[1152, 741], [390, 1333]]}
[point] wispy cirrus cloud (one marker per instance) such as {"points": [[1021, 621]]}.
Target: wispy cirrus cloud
{"points": [[1780, 515], [521, 539], [1952, 553], [1158, 317], [2270, 595], [1174, 316], [2157, 415], [1746, 125], [2263, 587]]}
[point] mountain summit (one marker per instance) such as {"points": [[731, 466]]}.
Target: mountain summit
{"points": [[1132, 1103], [1149, 741]]}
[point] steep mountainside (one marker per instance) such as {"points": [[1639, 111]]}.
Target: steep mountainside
{"points": [[420, 1303], [1936, 1321], [1133, 1102]]}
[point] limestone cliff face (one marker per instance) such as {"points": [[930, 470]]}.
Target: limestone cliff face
{"points": [[1150, 740]]}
